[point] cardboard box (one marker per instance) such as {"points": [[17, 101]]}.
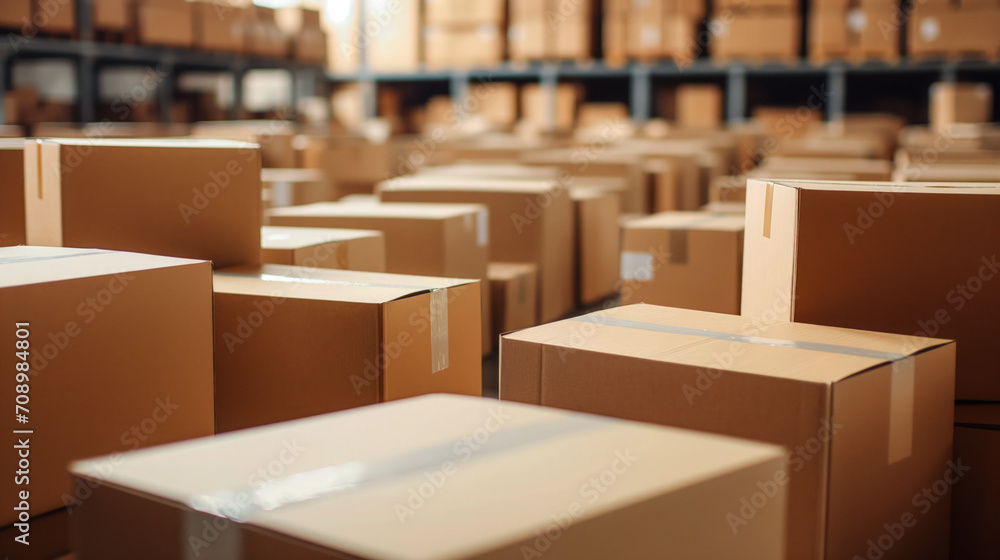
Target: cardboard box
{"points": [[11, 192], [738, 208], [304, 29], [343, 249], [615, 37], [219, 26], [446, 240], [496, 101], [854, 33], [396, 46], [168, 23], [692, 260], [182, 198], [111, 15], [949, 172], [867, 424], [850, 169], [600, 114], [546, 112], [945, 31], [514, 295], [265, 38], [699, 106], [976, 500], [530, 221], [53, 16], [295, 187], [918, 260], [343, 50], [756, 36], [673, 486], [275, 137], [575, 166], [463, 46], [551, 29], [343, 339], [463, 12], [103, 332], [598, 242], [14, 13], [730, 188], [960, 103], [353, 160]]}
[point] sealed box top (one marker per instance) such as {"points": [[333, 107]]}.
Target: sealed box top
{"points": [[23, 265], [882, 186], [147, 143], [421, 183], [276, 237], [708, 221], [348, 485], [806, 353], [401, 210], [315, 283], [275, 175]]}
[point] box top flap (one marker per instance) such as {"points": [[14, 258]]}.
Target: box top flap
{"points": [[877, 186], [276, 237], [423, 183], [300, 282], [809, 353], [363, 463], [708, 221], [148, 143], [22, 265], [400, 210]]}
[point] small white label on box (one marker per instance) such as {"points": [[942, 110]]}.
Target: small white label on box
{"points": [[637, 266], [857, 21], [718, 28], [483, 230], [930, 29], [650, 36]]}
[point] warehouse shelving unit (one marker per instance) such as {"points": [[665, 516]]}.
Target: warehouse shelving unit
{"points": [[89, 55], [640, 77]]}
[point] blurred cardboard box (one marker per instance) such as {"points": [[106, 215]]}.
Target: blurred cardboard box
{"points": [[295, 187], [219, 26], [598, 242], [692, 260], [855, 33], [343, 339], [276, 138], [730, 188], [737, 208], [868, 425], [869, 145], [551, 29], [446, 240], [699, 106], [11, 192], [599, 114], [514, 296], [395, 45], [554, 111], [13, 13], [342, 249], [757, 35], [576, 165], [960, 103], [100, 331], [956, 137], [851, 169], [662, 34], [976, 500], [671, 474], [168, 23], [497, 101], [943, 31], [183, 198], [111, 15], [266, 39], [341, 23], [354, 160], [530, 221], [305, 31], [784, 123], [463, 46], [463, 12], [949, 172], [897, 244], [53, 16]]}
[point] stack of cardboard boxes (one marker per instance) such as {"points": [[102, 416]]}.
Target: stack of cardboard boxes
{"points": [[460, 34], [653, 29], [755, 30], [551, 29], [855, 30], [944, 28]]}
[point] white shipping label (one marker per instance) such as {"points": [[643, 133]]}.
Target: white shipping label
{"points": [[637, 266], [857, 21], [930, 29]]}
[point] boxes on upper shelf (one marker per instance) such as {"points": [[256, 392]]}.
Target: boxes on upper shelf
{"points": [[219, 26], [909, 258], [448, 46], [305, 32], [699, 106], [341, 339], [550, 29], [692, 260], [52, 17], [756, 35], [11, 192], [866, 417], [113, 352], [857, 32], [112, 15], [634, 490], [396, 44], [183, 198], [937, 31], [13, 13], [514, 296], [168, 23], [343, 249]]}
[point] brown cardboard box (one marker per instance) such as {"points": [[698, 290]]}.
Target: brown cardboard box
{"points": [[692, 260], [867, 425], [111, 15], [265, 38], [305, 31], [168, 23], [615, 37], [49, 537], [757, 35], [576, 165], [446, 240], [945, 31], [463, 12], [396, 45], [463, 46], [11, 192], [497, 101], [911, 259], [975, 503], [342, 338], [53, 16], [598, 242], [352, 160], [219, 26], [671, 488], [13, 13], [344, 46], [737, 208], [960, 103], [106, 331], [855, 146], [949, 172], [699, 106], [295, 187], [535, 106], [275, 137], [854, 33], [784, 123], [599, 114], [774, 5], [514, 295], [528, 32], [571, 27], [955, 138], [530, 221], [342, 249], [730, 188], [851, 169], [184, 198]]}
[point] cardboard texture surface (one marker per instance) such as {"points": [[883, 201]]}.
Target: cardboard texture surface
{"points": [[343, 249]]}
